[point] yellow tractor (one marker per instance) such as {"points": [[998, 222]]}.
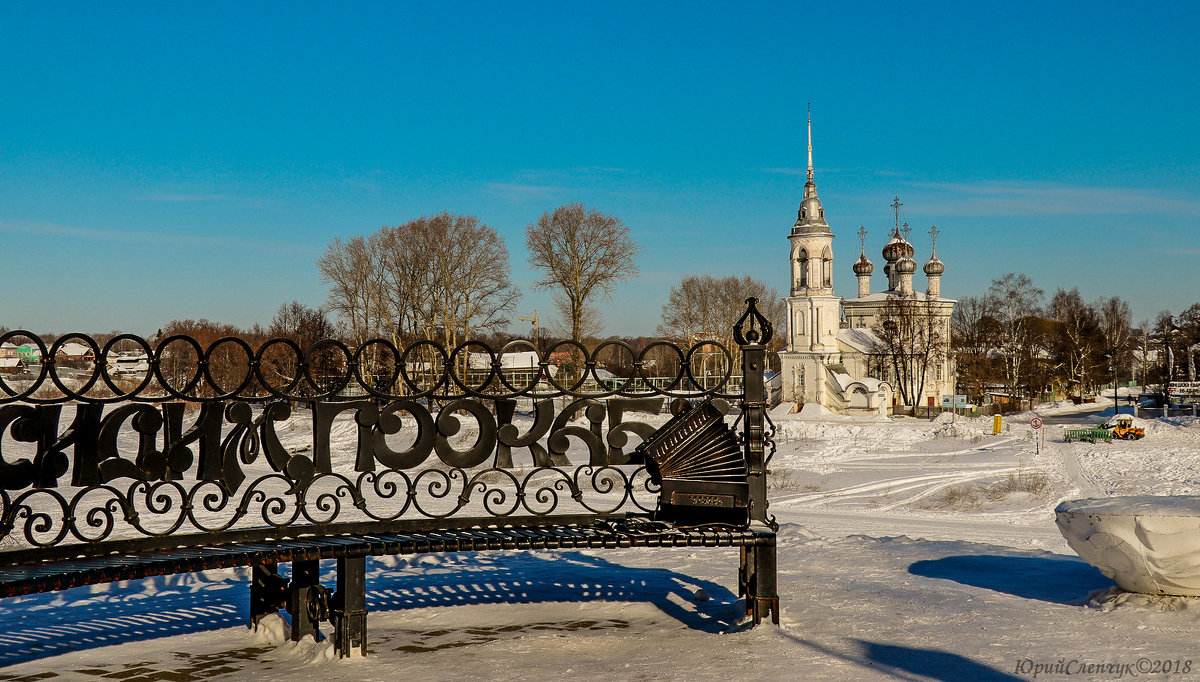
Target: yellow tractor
{"points": [[1122, 427]]}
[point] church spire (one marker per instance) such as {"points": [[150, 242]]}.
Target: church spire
{"points": [[810, 166], [811, 216]]}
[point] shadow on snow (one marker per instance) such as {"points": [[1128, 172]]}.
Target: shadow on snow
{"points": [[49, 624], [1050, 578]]}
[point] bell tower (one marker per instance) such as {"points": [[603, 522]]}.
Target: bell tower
{"points": [[814, 312]]}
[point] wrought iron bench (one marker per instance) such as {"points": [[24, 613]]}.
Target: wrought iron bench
{"points": [[140, 495]]}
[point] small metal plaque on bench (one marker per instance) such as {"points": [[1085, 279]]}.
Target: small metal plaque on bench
{"points": [[702, 500]]}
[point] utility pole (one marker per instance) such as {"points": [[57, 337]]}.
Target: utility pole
{"points": [[537, 339]]}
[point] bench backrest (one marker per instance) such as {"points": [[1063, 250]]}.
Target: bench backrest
{"points": [[282, 441]]}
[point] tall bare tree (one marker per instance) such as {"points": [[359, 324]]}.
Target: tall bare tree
{"points": [[354, 277], [1116, 328], [582, 253], [1076, 339], [1016, 301], [975, 338], [446, 277], [912, 342]]}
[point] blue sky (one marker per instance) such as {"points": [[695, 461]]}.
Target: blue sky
{"points": [[187, 160]]}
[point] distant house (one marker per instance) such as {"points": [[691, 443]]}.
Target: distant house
{"points": [[76, 351], [13, 357]]}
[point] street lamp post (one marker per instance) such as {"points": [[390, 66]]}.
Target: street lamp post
{"points": [[1116, 405]]}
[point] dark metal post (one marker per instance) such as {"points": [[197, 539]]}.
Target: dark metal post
{"points": [[268, 591], [766, 595], [753, 411], [350, 608], [752, 332], [306, 575]]}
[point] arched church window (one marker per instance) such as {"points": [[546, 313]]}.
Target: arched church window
{"points": [[827, 268], [802, 259]]}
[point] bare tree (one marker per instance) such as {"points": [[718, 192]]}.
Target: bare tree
{"points": [[446, 277], [1016, 301], [355, 285], [912, 341], [1076, 339], [975, 338], [706, 307], [581, 253], [1116, 329]]}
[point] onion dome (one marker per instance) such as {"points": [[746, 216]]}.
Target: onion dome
{"points": [[906, 265], [862, 266], [897, 248], [934, 267]]}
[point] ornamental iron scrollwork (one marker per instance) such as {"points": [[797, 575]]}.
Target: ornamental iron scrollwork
{"points": [[133, 439]]}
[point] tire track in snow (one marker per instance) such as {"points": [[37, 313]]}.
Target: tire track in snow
{"points": [[867, 494]]}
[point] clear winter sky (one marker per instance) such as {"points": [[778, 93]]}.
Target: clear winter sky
{"points": [[186, 160]]}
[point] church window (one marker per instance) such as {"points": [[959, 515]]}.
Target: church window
{"points": [[802, 258], [827, 268]]}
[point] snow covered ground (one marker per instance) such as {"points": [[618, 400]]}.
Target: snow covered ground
{"points": [[908, 549]]}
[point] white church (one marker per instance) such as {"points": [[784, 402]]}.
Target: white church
{"points": [[835, 361]]}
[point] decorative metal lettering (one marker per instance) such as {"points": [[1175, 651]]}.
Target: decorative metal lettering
{"points": [[176, 446]]}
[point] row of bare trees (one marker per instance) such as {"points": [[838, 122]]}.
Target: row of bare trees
{"points": [[445, 277], [1008, 338]]}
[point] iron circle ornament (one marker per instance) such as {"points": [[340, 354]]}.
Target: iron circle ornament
{"points": [[50, 363], [338, 374], [102, 364], [364, 358], [263, 362], [442, 379], [699, 386], [581, 379], [207, 365], [42, 369], [536, 370], [159, 366]]}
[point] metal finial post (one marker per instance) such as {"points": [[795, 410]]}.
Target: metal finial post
{"points": [[933, 233], [905, 231], [862, 239], [896, 212]]}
